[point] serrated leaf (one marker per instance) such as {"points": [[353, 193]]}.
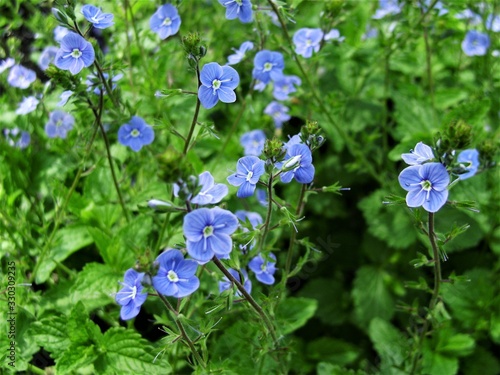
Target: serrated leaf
{"points": [[52, 334], [76, 357], [371, 296], [125, 352], [81, 330], [293, 313]]}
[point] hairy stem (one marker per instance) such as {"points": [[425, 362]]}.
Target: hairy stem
{"points": [[195, 116]]}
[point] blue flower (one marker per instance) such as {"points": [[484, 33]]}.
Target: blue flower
{"points": [[248, 172], [28, 105], [239, 53], [75, 53], [21, 77], [387, 7], [217, 83], [268, 65], [253, 217], [469, 15], [166, 21], [65, 95], [253, 142], [176, 275], [94, 82], [469, 161], [264, 270], [210, 193], [225, 284], [17, 138], [6, 64], [333, 34], [493, 23], [261, 195], [131, 297], [297, 164], [96, 17], [59, 33], [59, 124], [306, 41], [278, 112], [136, 134], [285, 86], [207, 233], [421, 154], [438, 6], [475, 43], [47, 57], [241, 9], [426, 185]]}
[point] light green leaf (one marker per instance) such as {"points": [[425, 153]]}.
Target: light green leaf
{"points": [[293, 313], [76, 357], [52, 334]]}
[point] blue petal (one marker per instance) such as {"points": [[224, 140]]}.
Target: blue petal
{"points": [[129, 311], [305, 174], [221, 244], [186, 268], [164, 286], [224, 221], [169, 257], [246, 190], [195, 222], [207, 97], [226, 95], [265, 278], [436, 200], [76, 66], [198, 251], [410, 176], [287, 177], [437, 174], [416, 197], [235, 180], [245, 15], [210, 72], [188, 286], [230, 75], [218, 192]]}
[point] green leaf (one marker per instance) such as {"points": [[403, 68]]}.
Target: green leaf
{"points": [[390, 345], [333, 351], [293, 313], [458, 345], [325, 368], [123, 351], [437, 363], [52, 334], [76, 357], [66, 242], [81, 330], [371, 296]]}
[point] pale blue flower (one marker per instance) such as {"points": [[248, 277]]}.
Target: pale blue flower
{"points": [[469, 162], [131, 296], [386, 8], [268, 66], [59, 33], [253, 217], [6, 64], [217, 83], [426, 185], [166, 21], [208, 233], [59, 124], [334, 34], [93, 82], [96, 17], [297, 164], [210, 193], [248, 172], [176, 276], [264, 270], [253, 142], [475, 43], [493, 23], [136, 133], [421, 154], [241, 9], [75, 53], [17, 138], [226, 284], [65, 95], [47, 57], [239, 53], [285, 86], [21, 77], [278, 112], [307, 40], [28, 105]]}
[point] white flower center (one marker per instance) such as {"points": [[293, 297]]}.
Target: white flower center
{"points": [[249, 175], [135, 133], [167, 21], [134, 292], [268, 66], [216, 83], [172, 276], [76, 53], [208, 231], [308, 42], [426, 185]]}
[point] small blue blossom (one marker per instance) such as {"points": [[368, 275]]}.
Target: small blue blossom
{"points": [[17, 138], [421, 154], [131, 296], [493, 23], [268, 66], [253, 142], [208, 233], [264, 270], [259, 86], [469, 161], [210, 193], [248, 172], [285, 86], [468, 15], [21, 77], [93, 81], [75, 53], [136, 134], [333, 34], [261, 195], [295, 140], [387, 7], [176, 275], [59, 124], [65, 95], [426, 185], [371, 32], [6, 64], [59, 33], [28, 105], [217, 83], [96, 17], [475, 43], [166, 21], [299, 158], [306, 41], [241, 9], [253, 217], [226, 284], [239, 53], [278, 112], [47, 57]]}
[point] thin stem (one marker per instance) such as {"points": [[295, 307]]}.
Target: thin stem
{"points": [[184, 335], [249, 298], [195, 116], [269, 211]]}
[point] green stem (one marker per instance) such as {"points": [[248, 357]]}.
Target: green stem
{"points": [[269, 211], [184, 335], [195, 116], [249, 298], [32, 369]]}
